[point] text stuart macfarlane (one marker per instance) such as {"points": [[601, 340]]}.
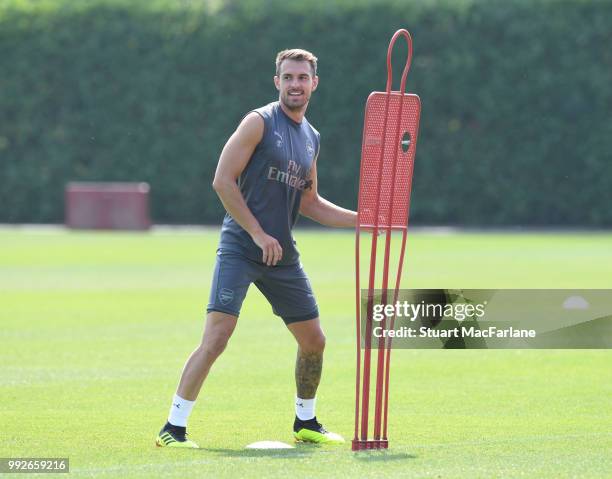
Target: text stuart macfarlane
{"points": [[458, 332]]}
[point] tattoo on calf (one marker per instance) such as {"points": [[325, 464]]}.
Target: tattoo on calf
{"points": [[308, 368]]}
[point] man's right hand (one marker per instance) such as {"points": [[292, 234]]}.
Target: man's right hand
{"points": [[271, 248]]}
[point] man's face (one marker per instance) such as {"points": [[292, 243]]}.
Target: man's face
{"points": [[295, 83]]}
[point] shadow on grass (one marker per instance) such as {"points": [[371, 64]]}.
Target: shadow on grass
{"points": [[382, 456], [304, 450]]}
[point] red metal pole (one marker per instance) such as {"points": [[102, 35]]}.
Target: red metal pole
{"points": [[358, 310], [391, 324], [380, 372]]}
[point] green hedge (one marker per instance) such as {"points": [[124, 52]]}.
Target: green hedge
{"points": [[516, 125]]}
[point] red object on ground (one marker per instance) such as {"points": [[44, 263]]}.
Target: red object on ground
{"points": [[111, 206], [387, 158]]}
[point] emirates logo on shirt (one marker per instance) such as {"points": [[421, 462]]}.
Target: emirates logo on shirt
{"points": [[292, 177]]}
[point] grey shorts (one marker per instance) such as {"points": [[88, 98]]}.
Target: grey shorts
{"points": [[286, 288]]}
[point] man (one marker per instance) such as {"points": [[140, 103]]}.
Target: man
{"points": [[267, 174]]}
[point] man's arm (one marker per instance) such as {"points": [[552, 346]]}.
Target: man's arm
{"points": [[322, 211], [234, 159]]}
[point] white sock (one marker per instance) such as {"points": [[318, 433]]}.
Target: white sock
{"points": [[305, 408], [180, 411]]}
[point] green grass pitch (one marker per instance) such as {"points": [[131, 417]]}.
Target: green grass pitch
{"points": [[95, 328]]}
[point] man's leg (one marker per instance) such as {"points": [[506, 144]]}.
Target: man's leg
{"points": [[309, 362], [231, 279], [218, 330], [308, 367], [288, 290]]}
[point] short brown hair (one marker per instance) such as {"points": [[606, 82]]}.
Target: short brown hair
{"points": [[299, 55]]}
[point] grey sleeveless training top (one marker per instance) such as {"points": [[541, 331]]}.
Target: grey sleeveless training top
{"points": [[272, 183]]}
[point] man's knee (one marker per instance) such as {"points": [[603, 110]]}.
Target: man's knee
{"points": [[219, 328], [213, 346], [309, 335], [314, 343]]}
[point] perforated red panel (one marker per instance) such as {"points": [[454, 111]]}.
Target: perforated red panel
{"points": [[373, 140]]}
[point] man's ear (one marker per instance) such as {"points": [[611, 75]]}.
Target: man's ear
{"points": [[277, 82], [315, 82]]}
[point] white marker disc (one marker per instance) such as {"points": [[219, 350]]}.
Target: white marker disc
{"points": [[269, 445]]}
